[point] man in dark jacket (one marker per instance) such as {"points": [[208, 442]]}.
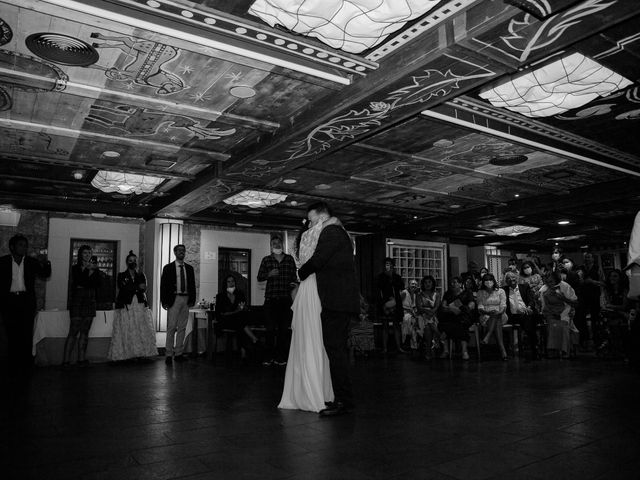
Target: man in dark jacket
{"points": [[177, 294], [334, 266], [520, 309], [18, 298]]}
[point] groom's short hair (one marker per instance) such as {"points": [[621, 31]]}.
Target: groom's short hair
{"points": [[320, 207]]}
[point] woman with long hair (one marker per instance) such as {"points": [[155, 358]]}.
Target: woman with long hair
{"points": [[85, 280], [426, 327], [558, 300], [134, 336], [456, 315], [492, 306]]}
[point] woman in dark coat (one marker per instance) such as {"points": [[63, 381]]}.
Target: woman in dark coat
{"points": [[85, 280], [232, 313], [133, 333]]}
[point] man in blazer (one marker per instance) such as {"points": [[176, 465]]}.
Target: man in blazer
{"points": [[177, 294], [334, 266], [521, 309], [18, 298]]}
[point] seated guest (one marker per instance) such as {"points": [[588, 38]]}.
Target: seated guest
{"points": [[408, 297], [361, 336], [134, 335], [427, 304], [492, 305], [456, 315], [232, 313], [614, 309], [557, 299], [521, 310]]}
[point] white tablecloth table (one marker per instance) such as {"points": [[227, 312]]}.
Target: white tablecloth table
{"points": [[51, 328]]}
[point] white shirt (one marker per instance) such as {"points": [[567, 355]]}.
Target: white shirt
{"points": [[179, 286], [17, 276], [516, 304]]}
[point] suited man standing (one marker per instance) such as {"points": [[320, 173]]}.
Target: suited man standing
{"points": [[334, 266], [18, 298], [521, 309], [177, 294]]}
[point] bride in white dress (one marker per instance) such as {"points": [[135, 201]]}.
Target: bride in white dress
{"points": [[307, 382]]}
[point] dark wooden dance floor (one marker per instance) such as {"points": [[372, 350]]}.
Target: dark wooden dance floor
{"points": [[552, 419]]}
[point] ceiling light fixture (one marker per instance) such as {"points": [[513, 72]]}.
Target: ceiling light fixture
{"points": [[111, 154], [556, 87], [290, 180], [78, 174], [125, 183], [563, 222], [147, 20], [480, 235], [517, 195], [255, 199], [514, 230]]}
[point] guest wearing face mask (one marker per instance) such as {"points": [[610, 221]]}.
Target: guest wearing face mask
{"points": [[232, 314], [134, 336], [279, 271], [556, 256]]}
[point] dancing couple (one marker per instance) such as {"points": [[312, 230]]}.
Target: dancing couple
{"points": [[317, 376]]}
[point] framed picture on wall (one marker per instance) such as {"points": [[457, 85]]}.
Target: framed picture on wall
{"points": [[106, 253]]}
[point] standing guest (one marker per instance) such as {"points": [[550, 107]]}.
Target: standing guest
{"points": [[133, 334], [530, 274], [593, 280], [85, 280], [389, 286], [456, 315], [558, 298], [570, 275], [556, 256], [521, 306], [279, 271], [18, 298], [427, 304], [492, 306], [177, 295], [232, 314]]}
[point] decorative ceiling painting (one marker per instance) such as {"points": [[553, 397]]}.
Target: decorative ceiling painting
{"points": [[384, 112]]}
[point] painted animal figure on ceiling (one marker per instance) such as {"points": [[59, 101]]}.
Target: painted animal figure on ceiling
{"points": [[144, 65], [141, 122]]}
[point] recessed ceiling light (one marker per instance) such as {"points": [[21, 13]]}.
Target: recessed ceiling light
{"points": [[290, 180], [111, 154], [564, 222], [415, 217], [480, 235], [78, 174], [435, 231], [455, 205], [293, 203], [517, 195], [249, 225], [323, 186]]}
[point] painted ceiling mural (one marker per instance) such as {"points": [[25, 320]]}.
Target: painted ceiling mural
{"points": [[398, 139]]}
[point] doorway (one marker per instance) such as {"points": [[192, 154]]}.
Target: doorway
{"points": [[235, 262]]}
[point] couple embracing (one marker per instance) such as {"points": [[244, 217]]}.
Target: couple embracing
{"points": [[317, 376]]}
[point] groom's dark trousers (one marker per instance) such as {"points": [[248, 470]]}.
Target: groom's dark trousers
{"points": [[335, 333]]}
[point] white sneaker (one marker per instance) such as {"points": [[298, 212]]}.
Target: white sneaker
{"points": [[465, 356]]}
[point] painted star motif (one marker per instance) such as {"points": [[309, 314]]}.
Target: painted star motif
{"points": [[186, 69], [166, 130], [130, 86], [173, 138], [199, 97], [234, 76]]}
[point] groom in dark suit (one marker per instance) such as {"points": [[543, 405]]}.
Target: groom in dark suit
{"points": [[334, 266]]}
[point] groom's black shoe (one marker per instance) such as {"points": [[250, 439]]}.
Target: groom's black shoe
{"points": [[334, 409]]}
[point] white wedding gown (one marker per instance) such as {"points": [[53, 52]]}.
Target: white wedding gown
{"points": [[307, 382]]}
